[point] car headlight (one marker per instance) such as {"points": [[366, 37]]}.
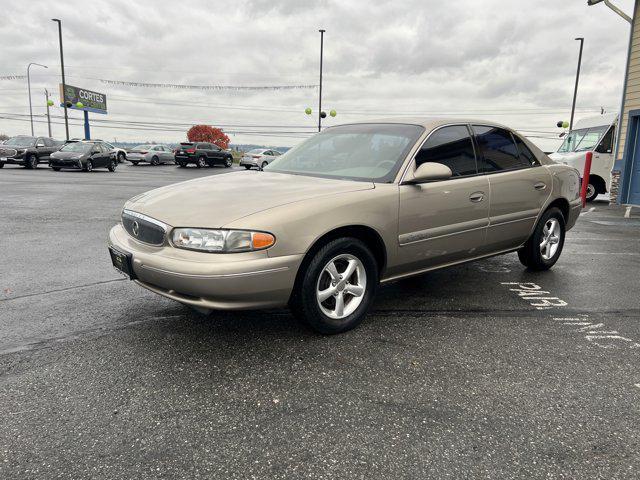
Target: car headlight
{"points": [[223, 241]]}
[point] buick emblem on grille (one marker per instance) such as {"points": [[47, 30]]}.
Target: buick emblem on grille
{"points": [[135, 228]]}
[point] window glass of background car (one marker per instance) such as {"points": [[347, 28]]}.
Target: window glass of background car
{"points": [[526, 155], [498, 150], [606, 144], [451, 146], [47, 142], [40, 142]]}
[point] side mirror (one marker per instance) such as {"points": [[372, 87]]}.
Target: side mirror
{"points": [[428, 172]]}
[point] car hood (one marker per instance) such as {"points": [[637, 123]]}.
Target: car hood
{"points": [[573, 159], [215, 201]]}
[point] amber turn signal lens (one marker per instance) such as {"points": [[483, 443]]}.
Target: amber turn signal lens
{"points": [[262, 240]]}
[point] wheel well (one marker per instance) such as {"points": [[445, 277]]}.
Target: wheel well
{"points": [[562, 204], [367, 235], [599, 183]]}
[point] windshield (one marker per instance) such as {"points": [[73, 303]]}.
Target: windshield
{"points": [[21, 141], [582, 139], [76, 147], [365, 152]]}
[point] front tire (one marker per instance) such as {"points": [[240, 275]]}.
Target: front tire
{"points": [[32, 162], [56, 169], [155, 161], [112, 165], [134, 163], [248, 167], [592, 192], [182, 164], [337, 286], [121, 157], [228, 162], [201, 162], [264, 164], [1, 164], [88, 167], [544, 247]]}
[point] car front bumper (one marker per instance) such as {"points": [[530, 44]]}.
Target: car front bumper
{"points": [[12, 160], [66, 163], [236, 281]]}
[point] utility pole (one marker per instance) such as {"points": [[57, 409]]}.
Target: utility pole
{"points": [[575, 90], [64, 84], [46, 99], [320, 95], [29, 88]]}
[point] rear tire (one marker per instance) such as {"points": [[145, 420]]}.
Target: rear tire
{"points": [[182, 164], [264, 164], [228, 162], [201, 162], [327, 301], [248, 167], [1, 165], [544, 247], [134, 163], [56, 169]]}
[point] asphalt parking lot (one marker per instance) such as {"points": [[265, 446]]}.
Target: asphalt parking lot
{"points": [[482, 370]]}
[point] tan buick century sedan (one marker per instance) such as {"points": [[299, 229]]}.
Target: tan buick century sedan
{"points": [[344, 211]]}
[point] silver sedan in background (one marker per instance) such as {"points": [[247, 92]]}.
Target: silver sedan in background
{"points": [[258, 157], [153, 154]]}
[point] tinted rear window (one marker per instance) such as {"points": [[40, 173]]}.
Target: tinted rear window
{"points": [[499, 151], [526, 155]]}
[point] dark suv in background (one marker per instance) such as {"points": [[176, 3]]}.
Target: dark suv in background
{"points": [[202, 154], [27, 151]]}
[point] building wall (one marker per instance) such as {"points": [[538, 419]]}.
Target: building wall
{"points": [[631, 99]]}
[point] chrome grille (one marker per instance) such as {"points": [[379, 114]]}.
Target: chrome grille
{"points": [[8, 152], [144, 228]]}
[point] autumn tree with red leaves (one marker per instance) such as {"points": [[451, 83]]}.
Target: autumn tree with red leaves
{"points": [[206, 133]]}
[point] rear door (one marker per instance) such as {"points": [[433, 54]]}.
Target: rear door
{"points": [[444, 221], [519, 186]]}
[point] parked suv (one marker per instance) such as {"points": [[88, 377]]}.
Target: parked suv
{"points": [[202, 154], [27, 151]]}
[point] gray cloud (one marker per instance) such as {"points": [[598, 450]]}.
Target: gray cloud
{"points": [[505, 61]]}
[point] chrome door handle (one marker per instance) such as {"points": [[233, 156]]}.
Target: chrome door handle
{"points": [[540, 186], [476, 197]]}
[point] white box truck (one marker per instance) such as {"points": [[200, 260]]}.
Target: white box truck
{"points": [[593, 134]]}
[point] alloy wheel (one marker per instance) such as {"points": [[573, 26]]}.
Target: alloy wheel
{"points": [[551, 235], [341, 286]]}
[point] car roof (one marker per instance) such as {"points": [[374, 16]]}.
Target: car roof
{"points": [[429, 123]]}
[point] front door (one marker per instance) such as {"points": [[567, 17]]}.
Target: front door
{"points": [[444, 221]]}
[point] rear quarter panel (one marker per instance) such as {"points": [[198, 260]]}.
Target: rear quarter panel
{"points": [[566, 185]]}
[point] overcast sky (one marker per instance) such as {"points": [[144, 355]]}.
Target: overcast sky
{"points": [[509, 61]]}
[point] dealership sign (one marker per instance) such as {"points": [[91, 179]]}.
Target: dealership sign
{"points": [[83, 99]]}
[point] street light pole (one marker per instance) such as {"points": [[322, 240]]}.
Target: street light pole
{"points": [[320, 95], [46, 99], [575, 89], [64, 103], [29, 88]]}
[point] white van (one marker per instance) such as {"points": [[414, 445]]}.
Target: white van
{"points": [[592, 134]]}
